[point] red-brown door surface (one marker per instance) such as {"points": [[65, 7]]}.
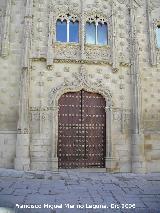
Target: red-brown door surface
{"points": [[81, 130]]}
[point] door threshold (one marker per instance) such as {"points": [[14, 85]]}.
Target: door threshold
{"points": [[84, 170]]}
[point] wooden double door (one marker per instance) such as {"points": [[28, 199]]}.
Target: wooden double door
{"points": [[81, 130]]}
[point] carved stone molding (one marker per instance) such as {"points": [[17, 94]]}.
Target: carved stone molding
{"points": [[81, 81], [27, 37], [94, 52], [67, 51], [6, 30], [50, 51], [136, 3], [152, 24], [115, 60], [153, 4], [122, 116], [79, 51]]}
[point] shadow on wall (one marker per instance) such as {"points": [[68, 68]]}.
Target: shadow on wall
{"points": [[6, 210]]}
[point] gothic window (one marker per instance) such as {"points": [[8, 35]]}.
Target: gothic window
{"points": [[158, 36], [96, 31], [67, 29]]}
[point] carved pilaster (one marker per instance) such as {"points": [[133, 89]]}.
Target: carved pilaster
{"points": [[110, 162], [108, 110], [22, 160], [54, 137], [27, 39], [122, 120], [50, 53], [23, 123], [134, 70], [6, 30], [138, 160], [115, 63], [151, 30]]}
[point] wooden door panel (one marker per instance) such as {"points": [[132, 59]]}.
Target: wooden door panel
{"points": [[81, 139]]}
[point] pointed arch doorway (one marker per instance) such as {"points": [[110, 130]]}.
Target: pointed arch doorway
{"points": [[81, 130]]}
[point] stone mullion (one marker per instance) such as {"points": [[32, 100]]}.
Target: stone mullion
{"points": [[96, 32], [6, 30], [82, 31], [68, 21]]}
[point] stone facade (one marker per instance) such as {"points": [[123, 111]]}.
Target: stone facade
{"points": [[35, 71]]}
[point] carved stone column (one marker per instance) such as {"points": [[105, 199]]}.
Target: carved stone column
{"points": [[55, 138], [22, 160], [109, 160], [27, 37], [137, 147], [115, 63], [151, 29], [6, 30], [50, 54]]}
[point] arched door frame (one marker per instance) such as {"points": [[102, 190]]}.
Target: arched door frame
{"points": [[81, 84]]}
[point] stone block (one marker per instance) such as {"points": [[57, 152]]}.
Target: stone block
{"points": [[22, 163]]}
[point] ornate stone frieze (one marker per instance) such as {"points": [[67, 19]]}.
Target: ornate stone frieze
{"points": [[40, 119], [62, 6], [92, 54], [67, 51], [122, 117], [98, 52], [41, 108], [127, 2], [80, 81]]}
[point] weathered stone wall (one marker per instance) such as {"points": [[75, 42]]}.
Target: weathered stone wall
{"points": [[11, 28], [34, 67], [147, 19]]}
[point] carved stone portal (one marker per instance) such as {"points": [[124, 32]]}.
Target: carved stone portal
{"points": [[81, 83]]}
